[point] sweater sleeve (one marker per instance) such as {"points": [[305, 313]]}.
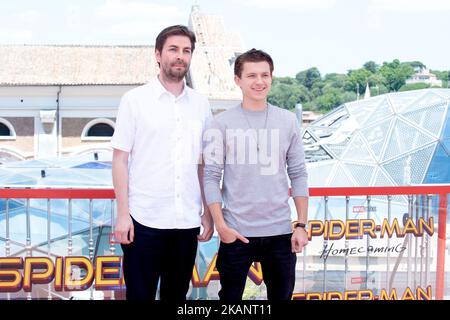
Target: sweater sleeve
{"points": [[214, 159], [296, 165]]}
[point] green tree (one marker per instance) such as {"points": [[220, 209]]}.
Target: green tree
{"points": [[358, 79], [287, 96], [308, 77], [284, 80], [335, 80], [329, 100], [441, 75], [395, 74], [371, 66], [376, 83], [416, 64]]}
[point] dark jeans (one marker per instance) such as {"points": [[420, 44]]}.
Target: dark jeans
{"points": [[277, 263], [168, 254]]}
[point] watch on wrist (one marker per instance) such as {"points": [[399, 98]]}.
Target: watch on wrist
{"points": [[299, 225]]}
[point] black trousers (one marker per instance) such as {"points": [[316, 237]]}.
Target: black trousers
{"points": [[167, 255], [277, 263]]}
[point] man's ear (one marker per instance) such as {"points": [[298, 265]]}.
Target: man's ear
{"points": [[158, 56], [237, 80]]}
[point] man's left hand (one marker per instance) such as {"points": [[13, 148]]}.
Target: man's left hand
{"points": [[299, 240]]}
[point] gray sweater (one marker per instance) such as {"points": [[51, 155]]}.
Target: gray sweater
{"points": [[256, 157]]}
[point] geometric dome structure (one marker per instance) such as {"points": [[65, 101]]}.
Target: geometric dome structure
{"points": [[393, 139]]}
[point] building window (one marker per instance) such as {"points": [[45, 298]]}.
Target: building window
{"points": [[98, 129], [6, 130]]}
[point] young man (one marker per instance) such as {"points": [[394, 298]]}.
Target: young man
{"points": [[157, 176], [253, 144]]}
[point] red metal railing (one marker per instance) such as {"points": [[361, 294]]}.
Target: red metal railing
{"points": [[441, 190]]}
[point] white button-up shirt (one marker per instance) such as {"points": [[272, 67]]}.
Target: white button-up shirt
{"points": [[163, 135]]}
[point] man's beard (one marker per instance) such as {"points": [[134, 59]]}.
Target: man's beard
{"points": [[174, 74]]}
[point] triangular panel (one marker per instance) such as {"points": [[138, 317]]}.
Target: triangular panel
{"points": [[357, 150], [426, 100], [382, 111], [405, 138], [430, 119], [318, 173], [341, 179], [361, 173], [376, 136], [411, 168]]}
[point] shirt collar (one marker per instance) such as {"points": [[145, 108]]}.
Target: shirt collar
{"points": [[161, 91]]}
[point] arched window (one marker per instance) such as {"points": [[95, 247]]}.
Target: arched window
{"points": [[4, 130], [100, 130]]}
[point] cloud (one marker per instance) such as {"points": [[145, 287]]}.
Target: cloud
{"points": [[377, 8], [135, 18], [28, 16], [135, 29], [14, 36], [299, 5], [380, 6], [137, 10], [73, 18]]}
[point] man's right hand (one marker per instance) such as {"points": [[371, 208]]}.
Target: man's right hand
{"points": [[124, 231], [229, 235]]}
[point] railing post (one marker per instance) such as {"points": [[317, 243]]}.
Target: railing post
{"points": [[28, 227], [91, 239], [442, 236], [91, 243], [427, 241], [112, 248], [347, 211], [416, 241], [69, 226], [8, 241], [408, 265], [49, 223], [325, 245], [368, 243], [388, 256], [423, 204], [28, 241], [49, 239]]}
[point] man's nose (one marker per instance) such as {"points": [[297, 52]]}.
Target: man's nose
{"points": [[179, 55]]}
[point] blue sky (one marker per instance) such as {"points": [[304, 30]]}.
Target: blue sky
{"points": [[333, 35]]}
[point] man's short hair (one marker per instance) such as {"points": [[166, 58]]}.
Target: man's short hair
{"points": [[177, 30], [251, 55]]}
